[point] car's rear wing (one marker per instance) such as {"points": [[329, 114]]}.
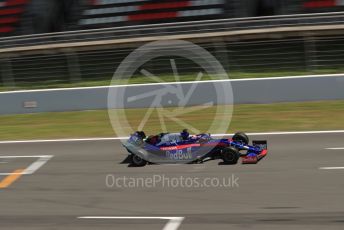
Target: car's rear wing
{"points": [[137, 138]]}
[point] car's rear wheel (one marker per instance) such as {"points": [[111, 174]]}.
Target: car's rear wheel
{"points": [[230, 155], [241, 137], [138, 161]]}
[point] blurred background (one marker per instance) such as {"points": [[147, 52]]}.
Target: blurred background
{"points": [[79, 43], [259, 37], [22, 17]]}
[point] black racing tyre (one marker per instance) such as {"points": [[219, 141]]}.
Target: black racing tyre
{"points": [[138, 161], [241, 137], [230, 155]]}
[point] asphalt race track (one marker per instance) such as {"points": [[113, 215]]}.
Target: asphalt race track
{"points": [[287, 190]]}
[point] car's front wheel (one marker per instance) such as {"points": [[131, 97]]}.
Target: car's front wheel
{"points": [[230, 155], [138, 161]]}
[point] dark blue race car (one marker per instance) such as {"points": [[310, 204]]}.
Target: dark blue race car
{"points": [[185, 148]]}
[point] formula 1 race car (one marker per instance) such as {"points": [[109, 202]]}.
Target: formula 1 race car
{"points": [[185, 148]]}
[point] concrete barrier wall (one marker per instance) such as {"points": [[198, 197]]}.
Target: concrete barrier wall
{"points": [[266, 90]]}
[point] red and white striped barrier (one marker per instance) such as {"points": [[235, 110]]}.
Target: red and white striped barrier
{"points": [[114, 11]]}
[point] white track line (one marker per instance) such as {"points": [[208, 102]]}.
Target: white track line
{"points": [[331, 168], [335, 148], [63, 140], [288, 133], [172, 224], [169, 83], [42, 159], [37, 164], [123, 138], [32, 156]]}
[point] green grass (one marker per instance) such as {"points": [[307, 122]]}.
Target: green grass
{"points": [[104, 81], [322, 115]]}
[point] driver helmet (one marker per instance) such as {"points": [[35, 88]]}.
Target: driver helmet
{"points": [[185, 134]]}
